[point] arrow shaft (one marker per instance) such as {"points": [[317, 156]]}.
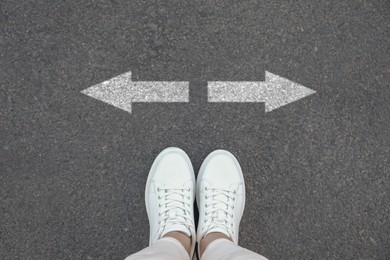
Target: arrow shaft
{"points": [[158, 91], [236, 91]]}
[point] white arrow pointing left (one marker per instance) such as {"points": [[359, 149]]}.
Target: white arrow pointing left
{"points": [[121, 91]]}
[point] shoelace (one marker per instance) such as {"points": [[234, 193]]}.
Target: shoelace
{"points": [[219, 210], [174, 208]]}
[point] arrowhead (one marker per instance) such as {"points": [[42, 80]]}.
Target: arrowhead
{"points": [[281, 91], [114, 91]]}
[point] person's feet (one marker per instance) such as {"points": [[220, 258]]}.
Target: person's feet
{"points": [[169, 198], [220, 196]]}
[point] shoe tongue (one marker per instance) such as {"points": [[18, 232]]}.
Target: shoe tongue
{"points": [[223, 201], [220, 215], [175, 215], [172, 214]]}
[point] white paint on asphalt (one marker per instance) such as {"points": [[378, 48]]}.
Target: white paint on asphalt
{"points": [[275, 91], [121, 91]]}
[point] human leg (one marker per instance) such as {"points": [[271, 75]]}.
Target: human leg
{"points": [[225, 249], [166, 248]]}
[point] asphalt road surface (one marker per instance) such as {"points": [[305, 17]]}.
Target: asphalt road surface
{"points": [[73, 168]]}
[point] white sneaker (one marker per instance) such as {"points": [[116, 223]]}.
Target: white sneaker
{"points": [[220, 195], [170, 195]]}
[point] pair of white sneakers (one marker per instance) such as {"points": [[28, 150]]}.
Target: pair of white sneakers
{"points": [[170, 194]]}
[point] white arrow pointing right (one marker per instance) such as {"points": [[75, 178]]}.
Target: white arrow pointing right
{"points": [[275, 91]]}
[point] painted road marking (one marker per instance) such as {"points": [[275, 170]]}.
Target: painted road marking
{"points": [[275, 91], [121, 91]]}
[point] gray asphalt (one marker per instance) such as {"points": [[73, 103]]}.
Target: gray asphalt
{"points": [[73, 168]]}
